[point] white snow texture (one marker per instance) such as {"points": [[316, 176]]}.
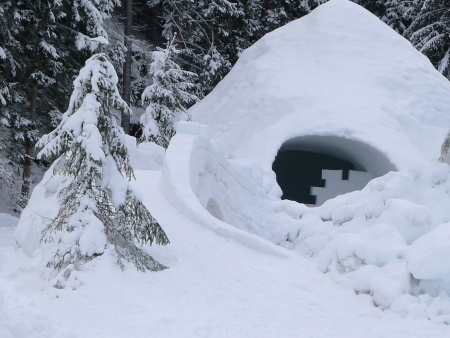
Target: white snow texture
{"points": [[337, 72]]}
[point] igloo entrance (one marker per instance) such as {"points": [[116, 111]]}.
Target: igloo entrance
{"points": [[313, 169]]}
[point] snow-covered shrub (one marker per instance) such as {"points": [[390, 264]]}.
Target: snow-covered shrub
{"points": [[97, 206]]}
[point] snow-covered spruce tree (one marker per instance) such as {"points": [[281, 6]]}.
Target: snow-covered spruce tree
{"points": [[251, 26], [167, 97], [430, 32], [280, 12], [205, 33], [399, 14], [395, 13], [98, 206], [4, 90], [51, 40]]}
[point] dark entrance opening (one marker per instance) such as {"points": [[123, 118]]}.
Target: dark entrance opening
{"points": [[303, 161], [297, 171]]}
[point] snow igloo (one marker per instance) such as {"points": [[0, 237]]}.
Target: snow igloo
{"points": [[329, 102]]}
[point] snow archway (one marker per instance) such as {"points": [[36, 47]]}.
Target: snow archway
{"points": [[313, 169]]}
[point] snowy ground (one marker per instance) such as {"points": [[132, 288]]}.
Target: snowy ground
{"points": [[215, 287]]}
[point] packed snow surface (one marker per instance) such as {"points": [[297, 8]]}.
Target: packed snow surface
{"points": [[242, 263], [338, 71]]}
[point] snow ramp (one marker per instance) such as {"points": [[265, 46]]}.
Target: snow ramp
{"points": [[210, 189]]}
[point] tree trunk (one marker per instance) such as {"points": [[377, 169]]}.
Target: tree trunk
{"points": [[29, 146], [126, 94]]}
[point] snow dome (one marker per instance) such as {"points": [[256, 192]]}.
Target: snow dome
{"points": [[327, 117]]}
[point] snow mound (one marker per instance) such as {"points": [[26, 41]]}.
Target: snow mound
{"points": [[389, 240], [428, 256], [42, 208], [7, 221], [145, 155], [338, 71]]}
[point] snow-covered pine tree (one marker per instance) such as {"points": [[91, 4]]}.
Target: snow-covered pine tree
{"points": [[4, 90], [38, 66], [395, 13], [98, 206], [167, 97], [280, 12], [399, 14], [430, 32], [51, 39], [252, 27], [205, 33]]}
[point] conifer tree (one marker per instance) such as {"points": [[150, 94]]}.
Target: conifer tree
{"points": [[51, 40], [204, 32], [280, 12], [167, 97], [98, 206], [4, 90], [430, 32], [399, 14], [251, 28]]}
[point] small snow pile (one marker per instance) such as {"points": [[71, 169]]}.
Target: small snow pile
{"points": [[7, 221], [428, 257], [41, 209], [391, 240], [145, 155]]}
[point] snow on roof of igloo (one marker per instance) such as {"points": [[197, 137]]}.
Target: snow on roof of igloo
{"points": [[338, 71]]}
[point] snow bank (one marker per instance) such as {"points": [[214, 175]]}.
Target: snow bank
{"points": [[338, 71], [389, 240], [7, 221]]}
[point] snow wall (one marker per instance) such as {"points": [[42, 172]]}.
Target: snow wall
{"points": [[198, 179]]}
